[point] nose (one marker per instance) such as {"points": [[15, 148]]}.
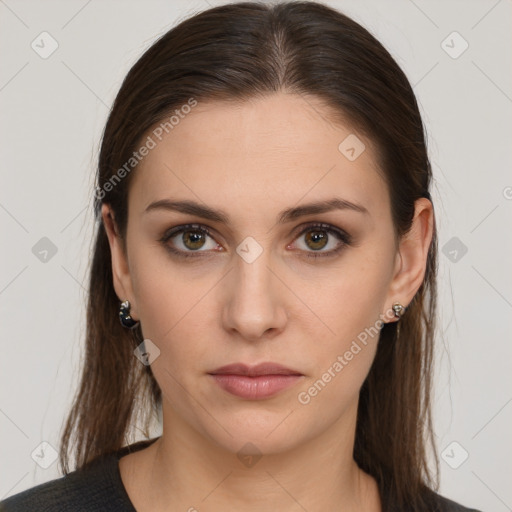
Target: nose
{"points": [[254, 306]]}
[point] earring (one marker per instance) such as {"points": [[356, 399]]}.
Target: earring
{"points": [[398, 309], [124, 315]]}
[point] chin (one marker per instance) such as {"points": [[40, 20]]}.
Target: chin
{"points": [[255, 432]]}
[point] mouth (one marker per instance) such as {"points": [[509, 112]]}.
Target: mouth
{"points": [[255, 382]]}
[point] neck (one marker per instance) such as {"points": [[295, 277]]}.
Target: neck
{"points": [[192, 472]]}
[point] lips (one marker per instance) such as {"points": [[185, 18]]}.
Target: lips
{"points": [[254, 371], [255, 382]]}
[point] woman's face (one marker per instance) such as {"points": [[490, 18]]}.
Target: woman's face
{"points": [[265, 284]]}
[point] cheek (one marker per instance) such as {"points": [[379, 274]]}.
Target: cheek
{"points": [[352, 298], [174, 306], [343, 358], [349, 307], [162, 289]]}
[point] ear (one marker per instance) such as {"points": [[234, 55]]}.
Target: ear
{"points": [[120, 268], [411, 260]]}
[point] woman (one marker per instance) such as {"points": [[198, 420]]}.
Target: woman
{"points": [[267, 239]]}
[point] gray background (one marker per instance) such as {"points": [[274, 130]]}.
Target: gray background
{"points": [[53, 112]]}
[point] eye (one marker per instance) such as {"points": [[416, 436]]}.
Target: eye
{"points": [[318, 236], [190, 239]]}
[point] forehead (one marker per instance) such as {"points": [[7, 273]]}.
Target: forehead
{"points": [[256, 153]]}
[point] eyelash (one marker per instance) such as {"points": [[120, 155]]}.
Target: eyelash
{"points": [[344, 237]]}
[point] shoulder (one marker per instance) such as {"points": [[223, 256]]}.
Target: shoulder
{"points": [[428, 500], [439, 503], [90, 488], [96, 486]]}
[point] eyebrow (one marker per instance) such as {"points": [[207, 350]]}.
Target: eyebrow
{"points": [[290, 214]]}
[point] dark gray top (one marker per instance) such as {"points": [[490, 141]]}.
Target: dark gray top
{"points": [[98, 487]]}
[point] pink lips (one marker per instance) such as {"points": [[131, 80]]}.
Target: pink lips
{"points": [[255, 382]]}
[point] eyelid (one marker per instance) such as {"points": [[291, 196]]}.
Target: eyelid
{"points": [[322, 226], [344, 238], [176, 230]]}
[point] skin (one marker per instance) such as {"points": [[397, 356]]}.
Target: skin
{"points": [[253, 160]]}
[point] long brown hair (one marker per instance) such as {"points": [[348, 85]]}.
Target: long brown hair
{"points": [[236, 52]]}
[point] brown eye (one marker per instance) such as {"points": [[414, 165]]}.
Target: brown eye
{"points": [[193, 239], [185, 240], [317, 237], [190, 240], [316, 240]]}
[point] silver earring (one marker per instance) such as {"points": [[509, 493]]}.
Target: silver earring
{"points": [[398, 309], [124, 316]]}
